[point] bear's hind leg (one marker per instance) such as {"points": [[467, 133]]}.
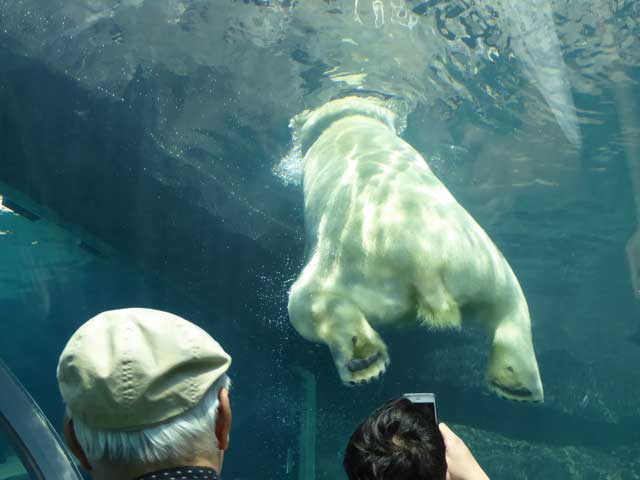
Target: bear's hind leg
{"points": [[435, 306]]}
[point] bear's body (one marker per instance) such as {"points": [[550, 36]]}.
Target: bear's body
{"points": [[387, 241]]}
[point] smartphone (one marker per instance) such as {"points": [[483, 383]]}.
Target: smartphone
{"points": [[427, 401]]}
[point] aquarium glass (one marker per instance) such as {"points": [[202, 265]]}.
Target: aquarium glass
{"points": [[148, 158]]}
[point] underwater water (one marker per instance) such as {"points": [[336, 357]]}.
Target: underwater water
{"points": [[146, 160]]}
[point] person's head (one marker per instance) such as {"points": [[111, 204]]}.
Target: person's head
{"points": [[144, 390], [396, 442]]}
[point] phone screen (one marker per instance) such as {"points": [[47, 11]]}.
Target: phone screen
{"points": [[427, 403]]}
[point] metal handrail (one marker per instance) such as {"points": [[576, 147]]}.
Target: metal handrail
{"points": [[34, 438]]}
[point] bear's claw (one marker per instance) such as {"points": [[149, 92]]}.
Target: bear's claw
{"points": [[360, 358], [356, 364], [371, 369]]}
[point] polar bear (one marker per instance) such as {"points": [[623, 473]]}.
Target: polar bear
{"points": [[388, 244]]}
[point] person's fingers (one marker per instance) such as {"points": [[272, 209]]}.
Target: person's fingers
{"points": [[447, 434]]}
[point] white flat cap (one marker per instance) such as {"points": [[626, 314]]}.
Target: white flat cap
{"points": [[130, 369]]}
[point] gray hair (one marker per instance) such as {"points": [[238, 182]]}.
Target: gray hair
{"points": [[181, 438]]}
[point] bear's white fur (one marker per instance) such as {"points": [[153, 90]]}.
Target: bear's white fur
{"points": [[387, 242]]}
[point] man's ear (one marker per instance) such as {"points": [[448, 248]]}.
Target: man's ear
{"points": [[74, 445], [223, 419]]}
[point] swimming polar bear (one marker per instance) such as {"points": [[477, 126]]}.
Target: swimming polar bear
{"points": [[386, 242]]}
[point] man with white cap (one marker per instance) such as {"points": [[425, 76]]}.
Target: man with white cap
{"points": [[147, 397]]}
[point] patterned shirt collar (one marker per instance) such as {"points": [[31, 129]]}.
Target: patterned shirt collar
{"points": [[181, 473]]}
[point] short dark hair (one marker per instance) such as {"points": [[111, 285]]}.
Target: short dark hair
{"points": [[396, 442]]}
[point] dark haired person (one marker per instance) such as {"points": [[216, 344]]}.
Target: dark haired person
{"points": [[398, 442]]}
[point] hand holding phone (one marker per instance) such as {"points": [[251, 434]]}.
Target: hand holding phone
{"points": [[461, 465]]}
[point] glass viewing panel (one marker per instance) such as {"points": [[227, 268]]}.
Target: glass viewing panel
{"points": [[152, 154]]}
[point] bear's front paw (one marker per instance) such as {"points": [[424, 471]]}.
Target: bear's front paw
{"points": [[364, 360]]}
